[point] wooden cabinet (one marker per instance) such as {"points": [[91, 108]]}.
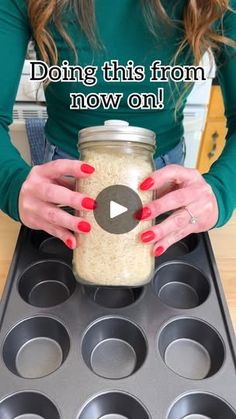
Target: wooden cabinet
{"points": [[213, 138]]}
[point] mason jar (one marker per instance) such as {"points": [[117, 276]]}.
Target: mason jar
{"points": [[112, 254]]}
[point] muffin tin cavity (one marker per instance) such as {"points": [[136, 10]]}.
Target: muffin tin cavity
{"points": [[115, 405], [36, 347], [50, 245], [47, 283], [181, 248], [113, 297], [191, 348], [201, 406], [114, 348], [181, 286], [28, 405]]}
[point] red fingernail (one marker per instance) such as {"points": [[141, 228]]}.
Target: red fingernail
{"points": [[69, 243], [147, 184], [159, 250], [84, 226], [86, 168], [88, 203], [143, 213], [148, 236]]}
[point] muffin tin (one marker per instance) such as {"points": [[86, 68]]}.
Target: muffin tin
{"points": [[164, 351]]}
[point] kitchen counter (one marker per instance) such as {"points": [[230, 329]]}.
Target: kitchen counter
{"points": [[223, 241]]}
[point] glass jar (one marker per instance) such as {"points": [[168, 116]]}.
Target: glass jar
{"points": [[121, 155]]}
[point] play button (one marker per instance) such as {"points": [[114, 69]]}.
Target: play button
{"points": [[116, 209]]}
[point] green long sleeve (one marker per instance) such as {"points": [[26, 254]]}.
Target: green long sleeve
{"points": [[14, 37], [133, 42], [222, 175]]}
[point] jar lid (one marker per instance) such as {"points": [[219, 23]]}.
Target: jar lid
{"points": [[117, 130]]}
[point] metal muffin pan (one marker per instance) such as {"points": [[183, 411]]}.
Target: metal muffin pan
{"points": [[163, 351]]}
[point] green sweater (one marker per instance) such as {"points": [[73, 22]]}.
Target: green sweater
{"points": [[125, 36]]}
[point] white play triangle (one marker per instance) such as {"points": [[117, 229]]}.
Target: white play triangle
{"points": [[116, 209]]}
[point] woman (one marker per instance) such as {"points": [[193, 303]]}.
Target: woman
{"points": [[99, 31]]}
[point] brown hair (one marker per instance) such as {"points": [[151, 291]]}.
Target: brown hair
{"points": [[199, 16]]}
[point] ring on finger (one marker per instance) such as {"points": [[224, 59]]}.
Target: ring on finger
{"points": [[193, 218]]}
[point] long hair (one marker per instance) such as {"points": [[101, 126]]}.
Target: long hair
{"points": [[198, 19]]}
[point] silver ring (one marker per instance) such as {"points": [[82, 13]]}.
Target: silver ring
{"points": [[193, 218]]}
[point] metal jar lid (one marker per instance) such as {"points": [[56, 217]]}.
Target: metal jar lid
{"points": [[117, 130]]}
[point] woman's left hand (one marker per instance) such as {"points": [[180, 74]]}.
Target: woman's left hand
{"points": [[185, 192]]}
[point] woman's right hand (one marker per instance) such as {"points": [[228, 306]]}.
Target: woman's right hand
{"points": [[46, 187]]}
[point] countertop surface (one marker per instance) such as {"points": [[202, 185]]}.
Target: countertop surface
{"points": [[223, 241]]}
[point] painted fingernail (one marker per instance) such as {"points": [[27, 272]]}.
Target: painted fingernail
{"points": [[84, 226], [148, 236], [147, 184], [86, 168], [143, 213], [88, 203], [69, 244], [159, 250]]}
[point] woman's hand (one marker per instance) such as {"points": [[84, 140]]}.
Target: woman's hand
{"points": [[186, 193], [45, 188]]}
